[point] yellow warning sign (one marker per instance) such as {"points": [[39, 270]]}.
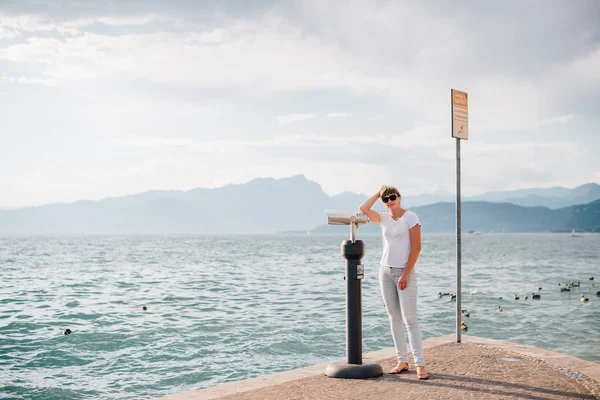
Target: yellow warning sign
{"points": [[460, 115]]}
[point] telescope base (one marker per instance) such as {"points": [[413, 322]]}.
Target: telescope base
{"points": [[341, 369]]}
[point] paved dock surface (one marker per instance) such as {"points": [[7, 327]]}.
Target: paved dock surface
{"points": [[477, 368]]}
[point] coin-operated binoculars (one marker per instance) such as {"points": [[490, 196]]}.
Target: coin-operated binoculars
{"points": [[353, 250]]}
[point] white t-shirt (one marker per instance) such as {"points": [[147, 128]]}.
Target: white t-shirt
{"points": [[396, 238]]}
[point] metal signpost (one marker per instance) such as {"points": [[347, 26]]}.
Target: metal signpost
{"points": [[460, 130], [354, 366]]}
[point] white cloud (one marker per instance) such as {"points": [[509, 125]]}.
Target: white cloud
{"points": [[33, 23], [427, 136], [338, 115], [562, 119], [6, 33], [587, 67], [27, 23], [156, 142], [124, 21], [243, 55], [288, 119], [30, 80]]}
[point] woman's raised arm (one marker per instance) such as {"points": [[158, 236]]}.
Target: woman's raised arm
{"points": [[365, 208]]}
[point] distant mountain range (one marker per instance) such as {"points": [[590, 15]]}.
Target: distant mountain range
{"points": [[267, 205], [496, 217], [557, 197]]}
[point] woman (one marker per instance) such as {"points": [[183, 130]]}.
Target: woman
{"points": [[397, 278]]}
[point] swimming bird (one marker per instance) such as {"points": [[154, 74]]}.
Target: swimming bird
{"points": [[598, 293], [516, 297], [540, 288], [500, 298], [465, 313], [463, 326], [68, 331], [565, 289], [144, 308], [575, 284], [453, 297], [584, 299], [499, 309], [472, 291], [535, 296], [591, 279], [525, 298]]}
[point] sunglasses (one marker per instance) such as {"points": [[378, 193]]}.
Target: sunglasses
{"points": [[391, 197]]}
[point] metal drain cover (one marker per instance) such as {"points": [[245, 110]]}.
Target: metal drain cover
{"points": [[508, 359]]}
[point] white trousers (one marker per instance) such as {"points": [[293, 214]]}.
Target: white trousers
{"points": [[401, 306]]}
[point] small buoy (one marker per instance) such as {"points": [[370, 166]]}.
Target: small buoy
{"points": [[144, 308], [67, 331]]}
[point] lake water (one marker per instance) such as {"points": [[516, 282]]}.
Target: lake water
{"points": [[226, 308]]}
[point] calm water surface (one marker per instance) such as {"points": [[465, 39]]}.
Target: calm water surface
{"points": [[222, 308]]}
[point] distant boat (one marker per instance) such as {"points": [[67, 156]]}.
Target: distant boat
{"points": [[573, 234]]}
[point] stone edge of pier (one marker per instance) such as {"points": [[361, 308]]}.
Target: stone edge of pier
{"points": [[559, 361]]}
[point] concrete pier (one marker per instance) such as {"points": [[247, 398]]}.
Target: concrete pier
{"points": [[477, 368]]}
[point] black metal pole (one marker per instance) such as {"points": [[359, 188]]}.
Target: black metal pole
{"points": [[354, 367], [353, 253], [458, 246]]}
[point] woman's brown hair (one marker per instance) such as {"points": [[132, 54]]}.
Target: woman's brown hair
{"points": [[387, 190]]}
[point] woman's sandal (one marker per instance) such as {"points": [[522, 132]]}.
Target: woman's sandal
{"points": [[397, 369], [422, 375]]}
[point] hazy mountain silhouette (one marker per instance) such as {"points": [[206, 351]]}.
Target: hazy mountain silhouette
{"points": [[496, 217], [557, 197], [268, 205]]}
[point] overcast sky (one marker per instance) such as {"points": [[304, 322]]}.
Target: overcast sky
{"points": [[108, 98]]}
